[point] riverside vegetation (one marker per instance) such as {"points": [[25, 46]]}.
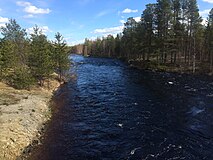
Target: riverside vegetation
{"points": [[31, 69], [29, 60], [169, 36]]}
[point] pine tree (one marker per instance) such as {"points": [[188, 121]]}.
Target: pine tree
{"points": [[61, 56], [14, 33], [148, 21], [7, 58], [194, 27], [128, 38], [177, 31], [40, 60], [163, 22], [14, 52]]}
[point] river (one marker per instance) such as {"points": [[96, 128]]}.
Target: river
{"points": [[110, 111]]}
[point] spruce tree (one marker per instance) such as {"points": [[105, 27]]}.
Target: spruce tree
{"points": [[14, 52], [7, 58], [15, 34], [60, 56], [40, 61]]}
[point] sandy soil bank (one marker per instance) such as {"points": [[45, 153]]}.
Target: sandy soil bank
{"points": [[23, 115]]}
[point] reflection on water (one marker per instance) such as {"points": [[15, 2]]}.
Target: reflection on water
{"points": [[115, 112]]}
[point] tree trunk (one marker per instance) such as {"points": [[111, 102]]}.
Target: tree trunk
{"points": [[194, 59], [211, 62]]}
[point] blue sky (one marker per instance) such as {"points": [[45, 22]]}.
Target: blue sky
{"points": [[78, 19]]}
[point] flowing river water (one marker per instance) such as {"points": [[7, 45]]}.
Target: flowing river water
{"points": [[110, 111]]}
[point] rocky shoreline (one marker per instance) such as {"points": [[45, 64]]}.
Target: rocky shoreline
{"points": [[23, 116]]}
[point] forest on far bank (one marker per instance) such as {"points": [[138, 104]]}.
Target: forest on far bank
{"points": [[170, 35], [27, 60]]}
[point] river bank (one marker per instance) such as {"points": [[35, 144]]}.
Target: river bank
{"points": [[169, 67], [23, 116]]}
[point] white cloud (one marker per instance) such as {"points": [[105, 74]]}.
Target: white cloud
{"points": [[204, 22], [205, 12], [35, 10], [80, 41], [76, 42], [31, 9], [122, 21], [137, 19], [23, 4], [111, 30], [44, 29], [3, 20], [127, 10], [209, 1], [2, 25], [92, 38]]}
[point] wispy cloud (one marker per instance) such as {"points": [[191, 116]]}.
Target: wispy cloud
{"points": [[44, 29], [102, 13], [122, 21], [111, 30], [31, 9], [127, 10], [209, 1], [205, 12], [29, 16], [72, 42]]}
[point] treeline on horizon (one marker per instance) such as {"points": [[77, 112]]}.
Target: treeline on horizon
{"points": [[170, 34], [27, 60]]}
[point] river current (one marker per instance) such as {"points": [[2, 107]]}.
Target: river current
{"points": [[113, 112]]}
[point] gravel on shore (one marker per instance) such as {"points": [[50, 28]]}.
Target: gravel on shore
{"points": [[23, 114]]}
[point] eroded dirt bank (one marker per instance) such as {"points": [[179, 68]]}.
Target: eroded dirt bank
{"points": [[23, 115]]}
